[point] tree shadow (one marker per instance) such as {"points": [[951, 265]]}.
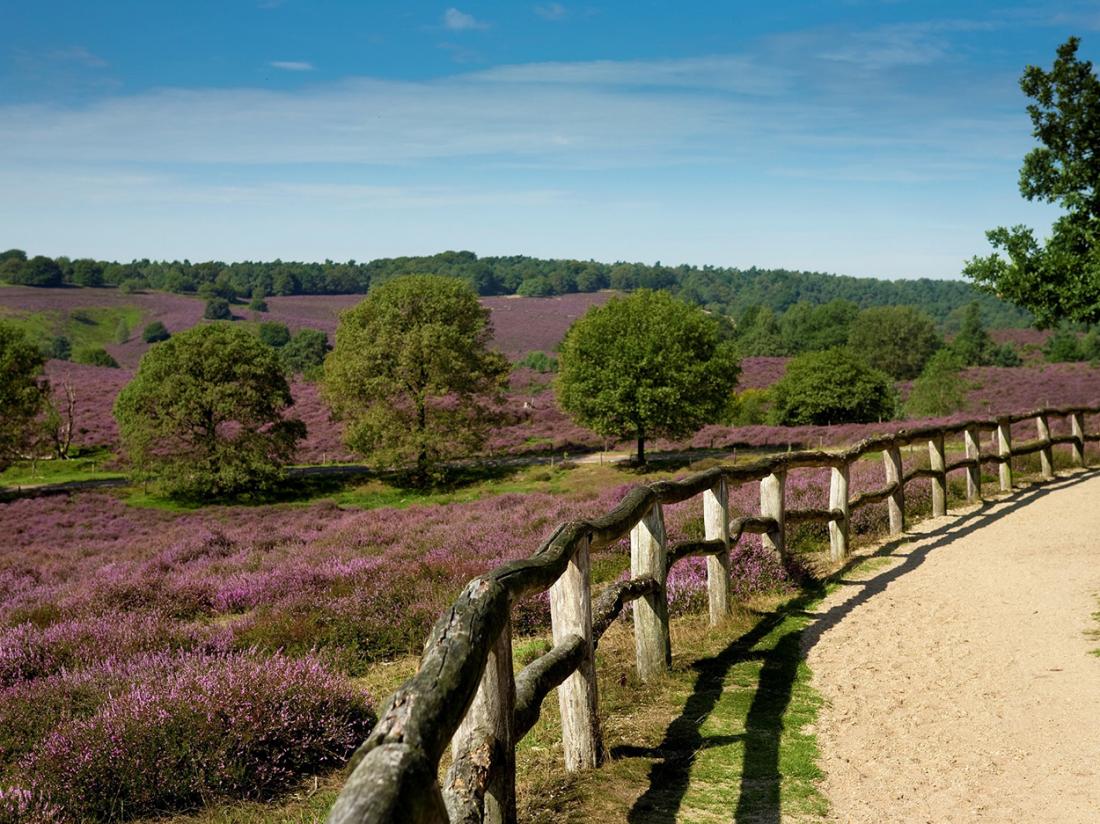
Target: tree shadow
{"points": [[759, 800]]}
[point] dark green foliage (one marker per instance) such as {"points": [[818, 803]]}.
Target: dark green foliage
{"points": [[1059, 278], [1005, 355], [539, 361], [217, 309], [95, 356], [22, 392], [973, 345], [725, 291], [204, 414], [809, 328], [897, 340], [38, 271], [257, 305], [306, 352], [1090, 346], [87, 272], [59, 348], [646, 365], [155, 332], [274, 334], [413, 375], [1063, 347], [834, 386], [758, 334], [940, 389], [536, 287]]}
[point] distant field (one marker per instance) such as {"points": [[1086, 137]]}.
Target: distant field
{"points": [[521, 324]]}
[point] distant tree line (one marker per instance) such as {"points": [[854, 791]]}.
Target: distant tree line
{"points": [[723, 290]]}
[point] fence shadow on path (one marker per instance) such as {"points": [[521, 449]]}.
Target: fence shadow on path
{"points": [[759, 799]]}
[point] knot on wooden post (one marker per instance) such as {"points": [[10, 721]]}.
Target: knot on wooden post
{"points": [[838, 501]]}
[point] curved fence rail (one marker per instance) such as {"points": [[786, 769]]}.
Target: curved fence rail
{"points": [[464, 693]]}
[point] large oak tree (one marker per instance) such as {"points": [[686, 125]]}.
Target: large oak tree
{"points": [[413, 376], [646, 365]]}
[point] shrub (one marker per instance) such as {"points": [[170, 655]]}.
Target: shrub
{"points": [[834, 386], [749, 407], [274, 334], [122, 331], [59, 348], [155, 332], [257, 305], [1005, 355], [539, 361], [940, 389], [1063, 347], [190, 727], [95, 356], [131, 286], [306, 352], [217, 309]]}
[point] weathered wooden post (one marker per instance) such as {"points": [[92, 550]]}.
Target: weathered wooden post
{"points": [[716, 526], [973, 473], [571, 614], [1046, 454], [838, 499], [772, 506], [895, 504], [1077, 423], [939, 481], [648, 556], [484, 746], [1004, 449]]}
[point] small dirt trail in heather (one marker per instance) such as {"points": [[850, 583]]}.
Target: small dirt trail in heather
{"points": [[957, 671]]}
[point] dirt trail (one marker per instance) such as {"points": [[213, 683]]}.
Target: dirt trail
{"points": [[957, 676]]}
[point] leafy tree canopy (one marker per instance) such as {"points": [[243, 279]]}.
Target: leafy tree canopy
{"points": [[897, 340], [413, 376], [833, 386], [22, 392], [305, 352], [274, 334], [204, 414], [645, 365], [940, 389], [217, 309], [973, 345], [1060, 278]]}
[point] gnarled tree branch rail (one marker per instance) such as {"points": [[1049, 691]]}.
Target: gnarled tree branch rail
{"points": [[464, 693]]}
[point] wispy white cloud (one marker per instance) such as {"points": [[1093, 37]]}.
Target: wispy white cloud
{"points": [[551, 11], [292, 65], [456, 20], [81, 55]]}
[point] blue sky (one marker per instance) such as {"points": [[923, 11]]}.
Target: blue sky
{"points": [[857, 137]]}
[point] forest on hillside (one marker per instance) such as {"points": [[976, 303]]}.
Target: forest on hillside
{"points": [[726, 290]]}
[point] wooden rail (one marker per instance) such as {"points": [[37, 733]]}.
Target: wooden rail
{"points": [[464, 694]]}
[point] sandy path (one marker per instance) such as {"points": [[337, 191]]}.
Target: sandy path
{"points": [[957, 678]]}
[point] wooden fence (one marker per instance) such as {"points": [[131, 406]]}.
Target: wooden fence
{"points": [[464, 693]]}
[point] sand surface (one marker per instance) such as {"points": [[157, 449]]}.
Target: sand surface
{"points": [[957, 673]]}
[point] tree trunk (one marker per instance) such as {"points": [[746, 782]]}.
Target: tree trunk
{"points": [[641, 446]]}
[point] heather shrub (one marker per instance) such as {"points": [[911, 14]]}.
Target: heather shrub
{"points": [[198, 727], [95, 356]]}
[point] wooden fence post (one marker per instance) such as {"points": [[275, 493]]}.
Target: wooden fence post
{"points": [[938, 463], [772, 506], [973, 473], [484, 746], [891, 457], [648, 556], [716, 526], [838, 499], [1004, 449], [1077, 423], [571, 614], [1046, 454]]}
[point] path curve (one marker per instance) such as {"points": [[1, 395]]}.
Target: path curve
{"points": [[957, 675]]}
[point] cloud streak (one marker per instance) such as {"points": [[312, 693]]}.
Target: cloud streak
{"points": [[292, 65], [456, 20]]}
